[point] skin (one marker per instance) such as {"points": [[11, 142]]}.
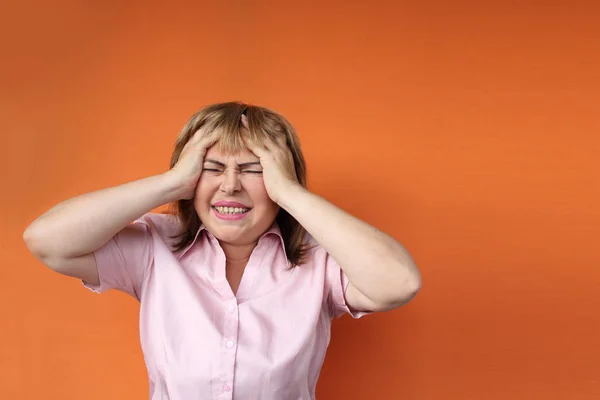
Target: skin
{"points": [[235, 177], [224, 179], [382, 274]]}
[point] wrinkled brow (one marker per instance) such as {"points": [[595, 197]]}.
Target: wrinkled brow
{"points": [[240, 165]]}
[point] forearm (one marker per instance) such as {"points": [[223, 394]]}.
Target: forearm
{"points": [[375, 263], [86, 222]]}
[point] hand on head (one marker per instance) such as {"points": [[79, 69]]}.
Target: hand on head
{"points": [[276, 159], [274, 155], [189, 165]]}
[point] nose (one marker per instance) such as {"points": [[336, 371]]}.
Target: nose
{"points": [[231, 182]]}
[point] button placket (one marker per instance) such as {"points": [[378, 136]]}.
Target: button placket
{"points": [[229, 348]]}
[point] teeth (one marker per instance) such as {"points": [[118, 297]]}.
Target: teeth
{"points": [[231, 210]]}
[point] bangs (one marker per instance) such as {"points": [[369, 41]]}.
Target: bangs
{"points": [[225, 119], [228, 124], [263, 124], [230, 140]]}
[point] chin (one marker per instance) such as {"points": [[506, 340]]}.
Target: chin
{"points": [[239, 232], [230, 235]]}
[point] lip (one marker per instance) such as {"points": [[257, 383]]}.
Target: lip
{"points": [[224, 203], [229, 217]]}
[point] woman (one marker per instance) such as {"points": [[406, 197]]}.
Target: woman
{"points": [[238, 284]]}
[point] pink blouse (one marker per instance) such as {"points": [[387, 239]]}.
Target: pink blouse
{"points": [[200, 341]]}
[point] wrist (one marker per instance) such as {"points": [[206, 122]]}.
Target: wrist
{"points": [[172, 186], [291, 193]]}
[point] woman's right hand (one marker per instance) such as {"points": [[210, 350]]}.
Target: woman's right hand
{"points": [[188, 168]]}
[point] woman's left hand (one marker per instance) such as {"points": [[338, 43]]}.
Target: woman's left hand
{"points": [[279, 173]]}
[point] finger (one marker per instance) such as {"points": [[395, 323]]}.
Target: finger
{"points": [[259, 150], [245, 121], [199, 134], [201, 131], [282, 141], [279, 143], [207, 140]]}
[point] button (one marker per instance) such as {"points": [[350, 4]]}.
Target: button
{"points": [[232, 309], [226, 387], [229, 344]]}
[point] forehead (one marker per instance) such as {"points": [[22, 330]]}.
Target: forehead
{"points": [[243, 155]]}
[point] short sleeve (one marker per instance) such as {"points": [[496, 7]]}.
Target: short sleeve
{"points": [[337, 283], [124, 261]]}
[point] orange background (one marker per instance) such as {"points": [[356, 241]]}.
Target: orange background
{"points": [[467, 130]]}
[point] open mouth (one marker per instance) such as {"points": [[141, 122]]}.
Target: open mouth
{"points": [[230, 213], [231, 210]]}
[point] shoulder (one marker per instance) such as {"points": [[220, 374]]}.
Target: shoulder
{"points": [[163, 225]]}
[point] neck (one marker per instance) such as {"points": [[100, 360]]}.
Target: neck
{"points": [[237, 253]]}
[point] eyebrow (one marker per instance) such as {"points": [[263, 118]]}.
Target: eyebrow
{"points": [[241, 165]]}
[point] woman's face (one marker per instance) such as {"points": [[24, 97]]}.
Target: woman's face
{"points": [[231, 199]]}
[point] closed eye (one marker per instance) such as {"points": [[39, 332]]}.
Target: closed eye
{"points": [[218, 170]]}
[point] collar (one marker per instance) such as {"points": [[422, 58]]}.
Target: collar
{"points": [[273, 232]]}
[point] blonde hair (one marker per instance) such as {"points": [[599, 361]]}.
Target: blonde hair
{"points": [[262, 123]]}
